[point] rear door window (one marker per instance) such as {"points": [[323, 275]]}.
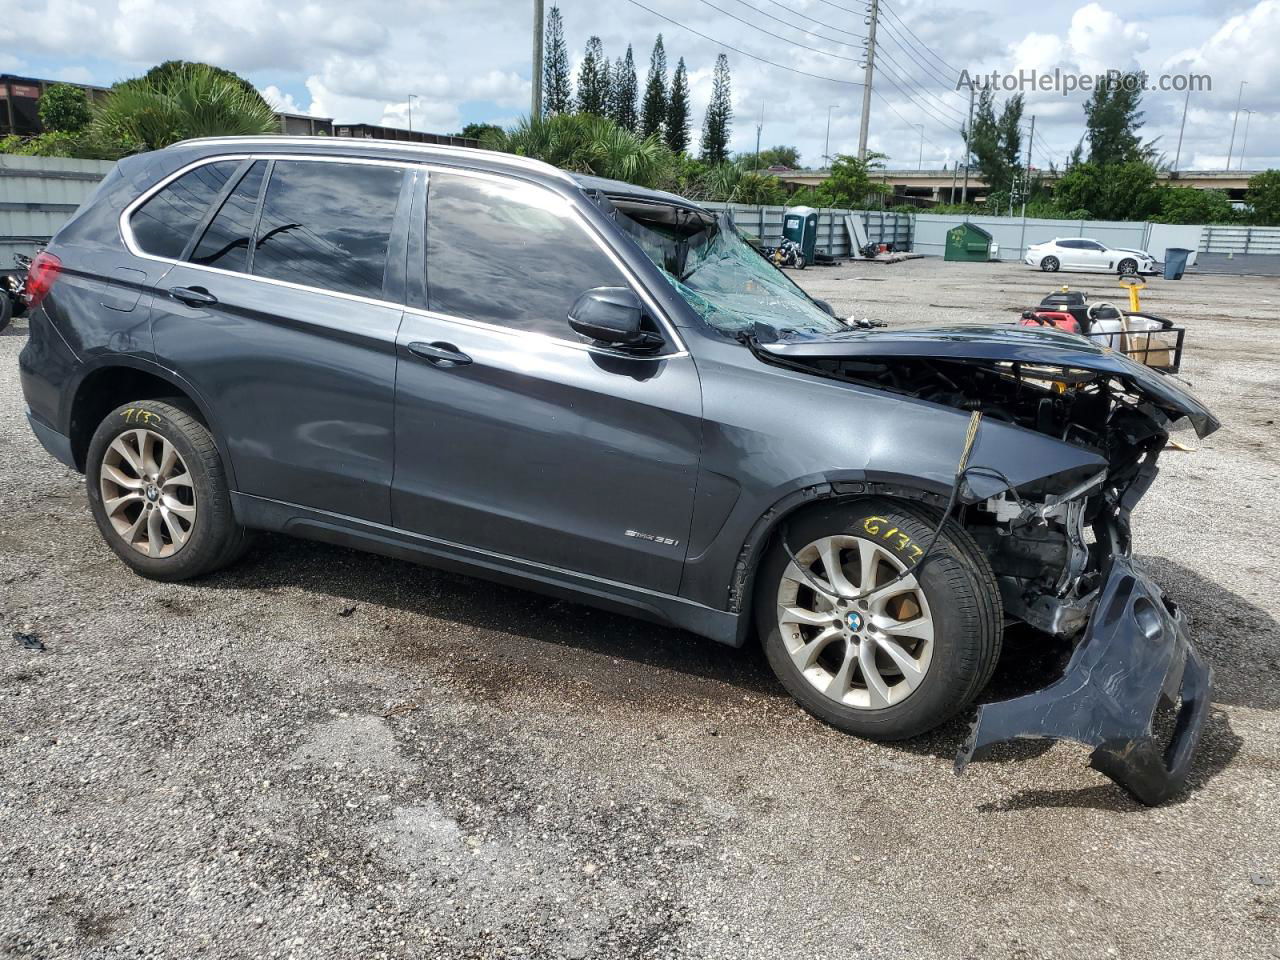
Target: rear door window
{"points": [[510, 254], [225, 243], [163, 225], [328, 225]]}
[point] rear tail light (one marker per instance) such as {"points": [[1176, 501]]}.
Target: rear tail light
{"points": [[41, 274]]}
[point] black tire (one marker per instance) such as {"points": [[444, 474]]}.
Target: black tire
{"points": [[1128, 267], [214, 539], [1050, 265], [800, 261], [6, 309], [963, 600]]}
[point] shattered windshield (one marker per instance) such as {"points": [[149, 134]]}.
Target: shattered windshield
{"points": [[727, 281]]}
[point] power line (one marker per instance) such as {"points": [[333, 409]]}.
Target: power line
{"points": [[890, 74], [860, 13], [942, 104], [767, 33], [751, 56], [924, 46], [802, 16], [909, 50]]}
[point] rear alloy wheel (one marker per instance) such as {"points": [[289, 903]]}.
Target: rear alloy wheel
{"points": [[159, 494], [865, 641], [1128, 267], [1049, 264]]}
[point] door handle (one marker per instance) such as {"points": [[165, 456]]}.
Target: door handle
{"points": [[193, 296], [439, 353]]}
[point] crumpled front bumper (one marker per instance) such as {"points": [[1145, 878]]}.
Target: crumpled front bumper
{"points": [[1135, 657]]}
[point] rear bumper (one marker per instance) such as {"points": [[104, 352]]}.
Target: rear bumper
{"points": [[54, 442], [1135, 659]]}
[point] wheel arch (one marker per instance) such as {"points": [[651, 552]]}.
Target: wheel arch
{"points": [[764, 534], [103, 387]]}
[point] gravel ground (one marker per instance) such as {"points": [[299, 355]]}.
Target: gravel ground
{"points": [[323, 754]]}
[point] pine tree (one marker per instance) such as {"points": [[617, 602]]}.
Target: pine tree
{"points": [[556, 94], [653, 112], [622, 92], [593, 80], [1113, 120], [677, 132], [715, 128]]}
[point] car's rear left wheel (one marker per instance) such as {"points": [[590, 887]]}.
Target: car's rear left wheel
{"points": [[159, 494], [865, 640]]}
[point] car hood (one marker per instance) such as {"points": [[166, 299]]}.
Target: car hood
{"points": [[1006, 344]]}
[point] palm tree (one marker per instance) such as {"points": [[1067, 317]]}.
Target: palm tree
{"points": [[586, 144], [194, 101]]}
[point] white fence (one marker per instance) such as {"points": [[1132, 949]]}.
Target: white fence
{"points": [[37, 195], [833, 238], [1241, 240]]}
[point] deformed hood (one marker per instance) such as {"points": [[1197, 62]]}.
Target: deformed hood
{"points": [[1006, 344]]}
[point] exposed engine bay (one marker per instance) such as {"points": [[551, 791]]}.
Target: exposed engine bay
{"points": [[1043, 544]]}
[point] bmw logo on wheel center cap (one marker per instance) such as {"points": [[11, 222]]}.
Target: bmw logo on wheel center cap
{"points": [[855, 621]]}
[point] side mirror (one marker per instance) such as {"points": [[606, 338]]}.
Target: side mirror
{"points": [[612, 315]]}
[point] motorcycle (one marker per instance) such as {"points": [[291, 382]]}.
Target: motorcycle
{"points": [[787, 254], [12, 288]]}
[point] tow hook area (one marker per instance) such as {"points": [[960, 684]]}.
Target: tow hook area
{"points": [[1134, 664]]}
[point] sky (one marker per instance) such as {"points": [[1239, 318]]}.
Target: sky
{"points": [[794, 61]]}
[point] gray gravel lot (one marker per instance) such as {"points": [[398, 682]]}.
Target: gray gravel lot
{"points": [[323, 754]]}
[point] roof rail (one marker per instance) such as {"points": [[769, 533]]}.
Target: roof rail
{"points": [[509, 159]]}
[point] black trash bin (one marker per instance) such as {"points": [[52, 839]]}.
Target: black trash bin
{"points": [[1175, 262]]}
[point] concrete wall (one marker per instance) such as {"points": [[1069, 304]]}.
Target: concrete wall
{"points": [[37, 195]]}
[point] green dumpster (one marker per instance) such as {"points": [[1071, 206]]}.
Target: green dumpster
{"points": [[801, 225], [968, 242]]}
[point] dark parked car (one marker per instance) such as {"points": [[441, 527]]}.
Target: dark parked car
{"points": [[603, 392]]}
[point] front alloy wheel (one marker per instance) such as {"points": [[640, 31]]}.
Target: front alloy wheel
{"points": [[865, 638], [866, 653], [1049, 264]]}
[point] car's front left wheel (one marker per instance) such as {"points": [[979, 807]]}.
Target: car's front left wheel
{"points": [[1128, 267], [864, 639], [159, 493]]}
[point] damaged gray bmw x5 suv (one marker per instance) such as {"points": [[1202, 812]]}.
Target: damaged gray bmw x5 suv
{"points": [[603, 392]]}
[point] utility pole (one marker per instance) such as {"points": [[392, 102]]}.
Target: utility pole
{"points": [[920, 160], [1026, 188], [968, 132], [1232, 147], [759, 127], [955, 169], [867, 77], [535, 108], [826, 149], [1185, 103], [411, 99], [1245, 141]]}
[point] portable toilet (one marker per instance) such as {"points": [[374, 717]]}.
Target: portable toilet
{"points": [[966, 241], [801, 225]]}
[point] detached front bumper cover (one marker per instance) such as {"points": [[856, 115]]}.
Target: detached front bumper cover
{"points": [[1135, 657]]}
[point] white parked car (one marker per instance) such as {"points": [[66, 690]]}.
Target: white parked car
{"points": [[1081, 253]]}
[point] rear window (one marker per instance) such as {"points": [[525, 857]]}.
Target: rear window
{"points": [[163, 225], [328, 225]]}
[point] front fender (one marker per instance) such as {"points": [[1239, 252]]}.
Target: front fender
{"points": [[770, 434]]}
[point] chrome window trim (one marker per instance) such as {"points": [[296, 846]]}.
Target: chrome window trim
{"points": [[572, 203], [130, 242]]}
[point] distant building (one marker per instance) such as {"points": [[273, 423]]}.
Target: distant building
{"points": [[20, 102], [372, 131]]}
